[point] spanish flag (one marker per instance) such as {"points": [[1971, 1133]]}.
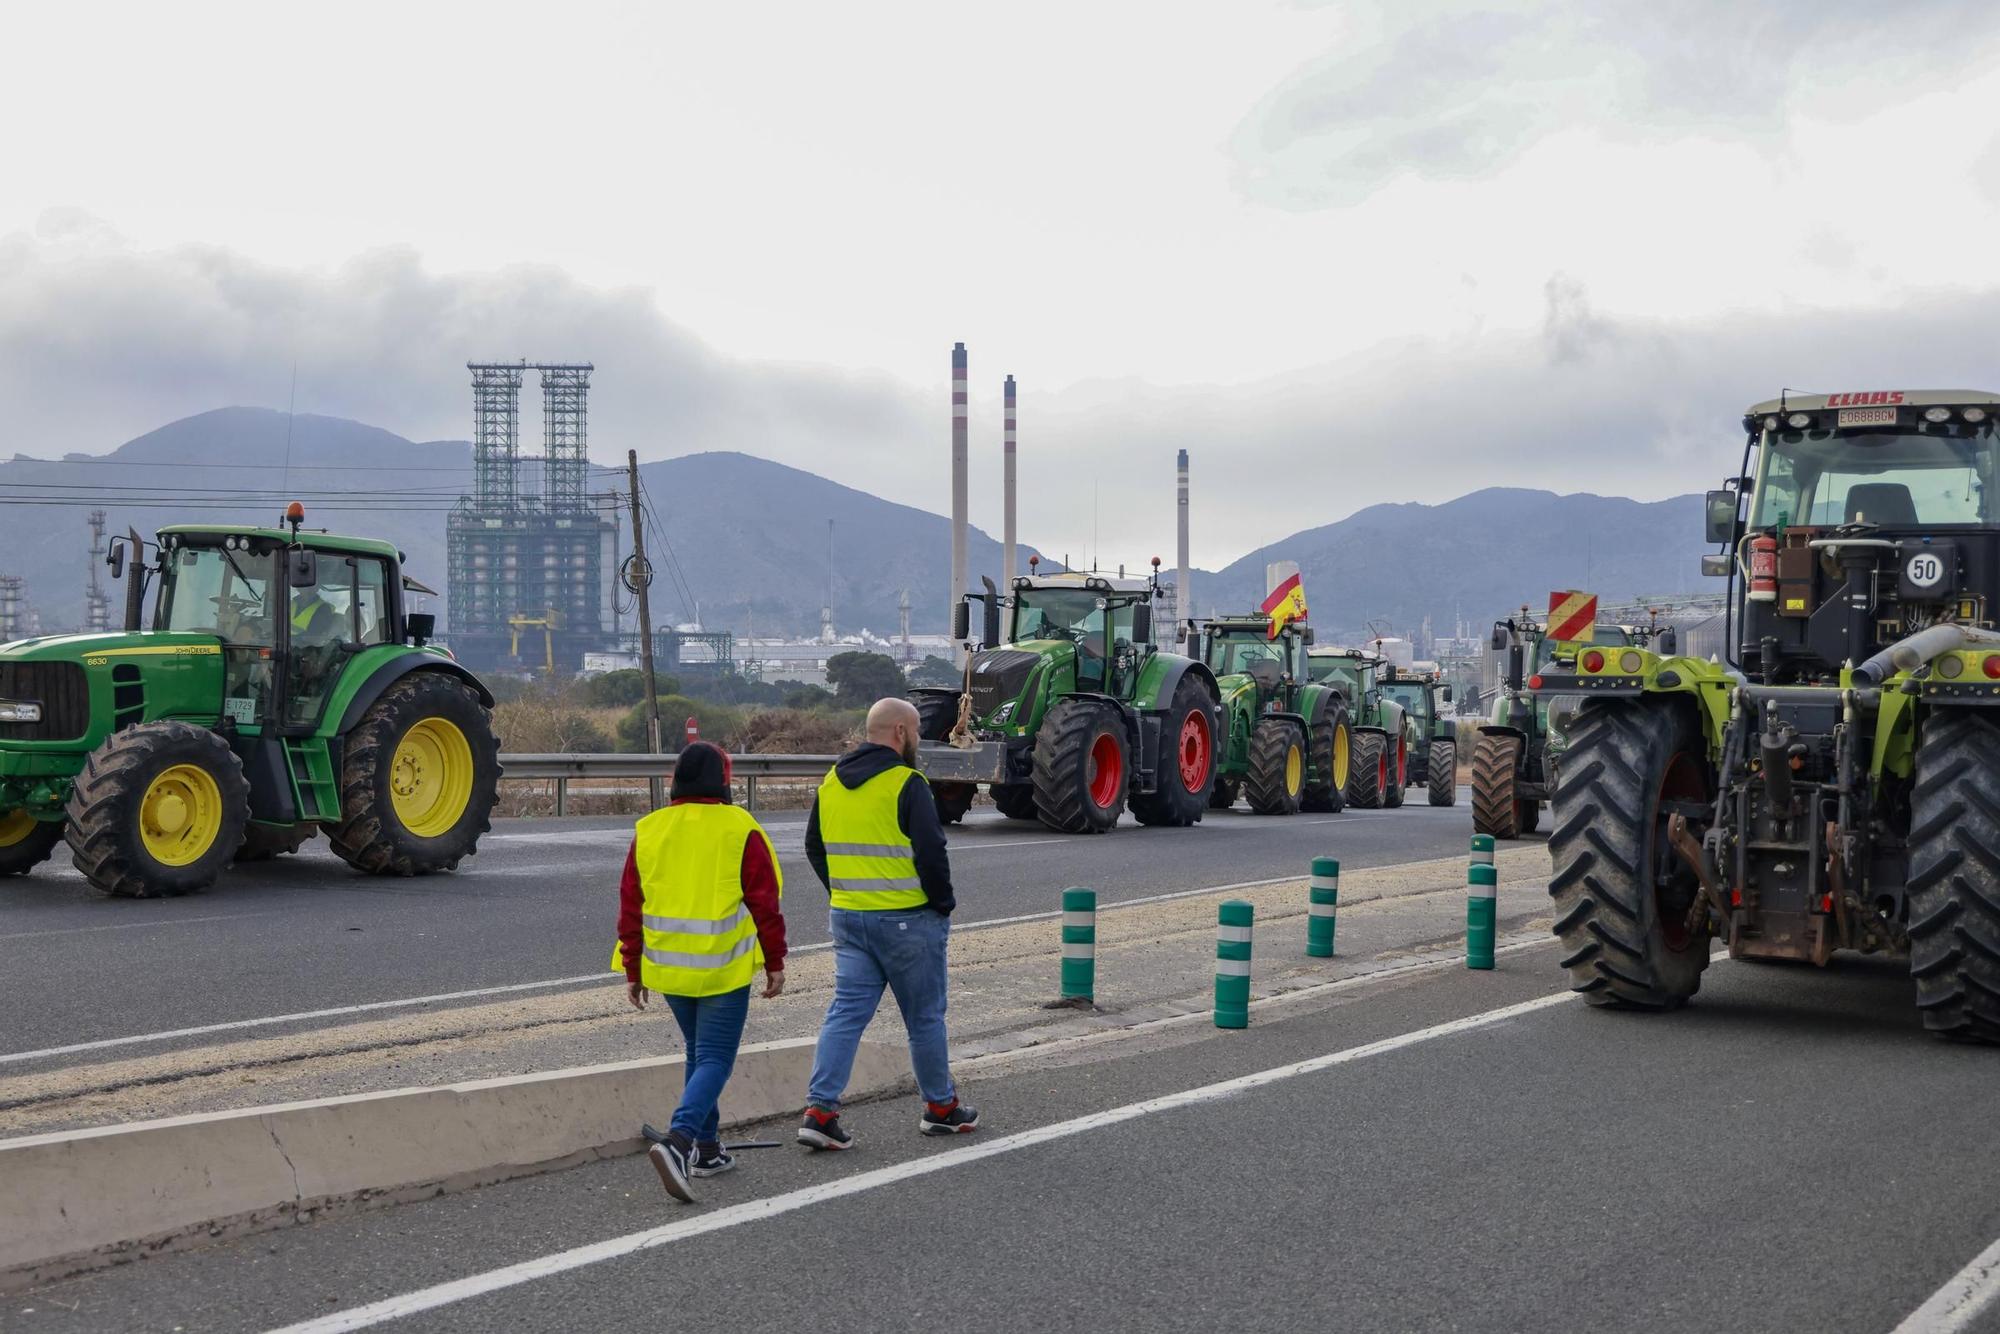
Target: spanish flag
{"points": [[1286, 604]]}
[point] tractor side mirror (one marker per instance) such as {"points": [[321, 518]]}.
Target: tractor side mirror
{"points": [[116, 560], [1715, 565], [1669, 642], [1499, 639], [1445, 694], [421, 626], [1142, 624], [961, 620], [989, 628], [1307, 637], [302, 568], [1722, 506]]}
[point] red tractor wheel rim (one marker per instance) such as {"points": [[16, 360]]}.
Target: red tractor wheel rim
{"points": [[1382, 772], [1402, 762], [1194, 750], [1107, 771]]}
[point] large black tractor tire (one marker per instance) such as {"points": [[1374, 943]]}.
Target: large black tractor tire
{"points": [[1399, 775], [1621, 892], [1496, 761], [158, 810], [419, 779], [1187, 760], [1368, 771], [1954, 884], [1225, 792], [26, 842], [1442, 773], [936, 715], [1016, 801], [1332, 742], [1082, 767], [262, 842], [1277, 777]]}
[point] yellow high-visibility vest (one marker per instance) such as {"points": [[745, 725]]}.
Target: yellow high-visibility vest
{"points": [[869, 862], [700, 937]]}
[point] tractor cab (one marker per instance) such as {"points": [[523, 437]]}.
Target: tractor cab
{"points": [[1109, 622], [1244, 646]]}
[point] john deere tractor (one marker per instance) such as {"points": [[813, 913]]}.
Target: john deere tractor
{"points": [[282, 690], [1833, 784], [1434, 759], [1074, 713], [1519, 749], [1378, 771], [1286, 742]]}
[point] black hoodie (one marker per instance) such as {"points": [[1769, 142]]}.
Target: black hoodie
{"points": [[916, 816]]}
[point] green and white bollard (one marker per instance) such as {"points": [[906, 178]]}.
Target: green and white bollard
{"points": [[1481, 903], [1323, 908], [1079, 946], [1232, 964]]}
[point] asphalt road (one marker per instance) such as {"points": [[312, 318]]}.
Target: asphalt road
{"points": [[1791, 1152], [539, 902]]}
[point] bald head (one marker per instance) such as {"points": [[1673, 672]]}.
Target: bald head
{"points": [[892, 722]]}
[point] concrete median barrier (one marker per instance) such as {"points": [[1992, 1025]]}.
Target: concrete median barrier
{"points": [[75, 1199]]}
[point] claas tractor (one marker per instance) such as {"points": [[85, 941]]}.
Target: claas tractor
{"points": [[1378, 770], [283, 690], [1434, 759], [1519, 749], [1070, 712], [1833, 782], [1286, 742]]}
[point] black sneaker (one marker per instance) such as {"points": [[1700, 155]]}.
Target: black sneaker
{"points": [[821, 1129], [711, 1160], [951, 1118], [672, 1158]]}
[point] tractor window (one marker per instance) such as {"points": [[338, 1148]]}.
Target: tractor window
{"points": [[1059, 613], [1411, 697], [211, 591], [371, 602], [1233, 655], [1894, 479]]}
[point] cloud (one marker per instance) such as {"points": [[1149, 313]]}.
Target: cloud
{"points": [[1461, 89]]}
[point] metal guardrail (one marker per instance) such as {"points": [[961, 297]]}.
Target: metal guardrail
{"points": [[656, 769]]}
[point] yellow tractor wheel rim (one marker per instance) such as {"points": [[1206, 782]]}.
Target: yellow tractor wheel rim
{"points": [[1341, 757], [15, 826], [1294, 768], [430, 778], [180, 815]]}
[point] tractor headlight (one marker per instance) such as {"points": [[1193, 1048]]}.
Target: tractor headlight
{"points": [[1798, 421], [1004, 712], [1630, 661], [1937, 414], [20, 711], [1951, 667], [1974, 414]]}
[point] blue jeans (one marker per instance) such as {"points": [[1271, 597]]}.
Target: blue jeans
{"points": [[903, 950], [713, 1028]]}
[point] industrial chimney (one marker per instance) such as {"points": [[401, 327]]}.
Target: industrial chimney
{"points": [[1183, 589], [1007, 488], [958, 488]]}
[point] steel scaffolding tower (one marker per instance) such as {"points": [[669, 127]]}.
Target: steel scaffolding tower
{"points": [[565, 417], [496, 434]]}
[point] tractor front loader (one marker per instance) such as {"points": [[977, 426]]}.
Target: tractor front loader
{"points": [[282, 691], [1832, 786]]}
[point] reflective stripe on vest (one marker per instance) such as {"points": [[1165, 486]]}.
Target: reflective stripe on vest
{"points": [[870, 866], [700, 938]]}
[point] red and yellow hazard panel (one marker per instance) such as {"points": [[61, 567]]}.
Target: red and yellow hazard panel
{"points": [[1573, 617]]}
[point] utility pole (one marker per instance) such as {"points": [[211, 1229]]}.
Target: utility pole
{"points": [[638, 577]]}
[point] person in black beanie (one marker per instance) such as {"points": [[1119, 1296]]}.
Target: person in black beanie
{"points": [[698, 915]]}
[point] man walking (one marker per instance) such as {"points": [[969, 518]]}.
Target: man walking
{"points": [[874, 840], [698, 914]]}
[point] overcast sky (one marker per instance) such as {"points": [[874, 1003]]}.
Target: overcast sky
{"points": [[1342, 252]]}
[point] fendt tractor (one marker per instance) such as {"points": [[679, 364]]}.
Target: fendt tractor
{"points": [[1378, 768], [1286, 742], [1836, 786], [1075, 712], [1519, 750], [283, 690], [1434, 759]]}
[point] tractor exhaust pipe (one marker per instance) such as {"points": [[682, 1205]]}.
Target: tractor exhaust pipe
{"points": [[1906, 655]]}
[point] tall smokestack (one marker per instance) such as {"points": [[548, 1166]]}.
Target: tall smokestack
{"points": [[1183, 590], [1007, 486], [958, 486]]}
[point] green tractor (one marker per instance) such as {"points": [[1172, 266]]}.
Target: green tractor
{"points": [[1378, 770], [282, 691], [1434, 759], [1832, 785], [1515, 759], [1075, 713], [1286, 743]]}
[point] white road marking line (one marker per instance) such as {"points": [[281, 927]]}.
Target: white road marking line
{"points": [[753, 1211], [1958, 1303], [103, 1043], [131, 926]]}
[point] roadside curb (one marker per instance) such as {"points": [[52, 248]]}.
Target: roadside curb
{"points": [[77, 1200]]}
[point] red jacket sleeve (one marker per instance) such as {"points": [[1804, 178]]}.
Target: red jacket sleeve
{"points": [[631, 908], [760, 896]]}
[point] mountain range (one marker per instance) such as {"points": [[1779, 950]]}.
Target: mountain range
{"points": [[744, 543]]}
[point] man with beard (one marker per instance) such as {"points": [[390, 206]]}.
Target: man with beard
{"points": [[875, 842]]}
